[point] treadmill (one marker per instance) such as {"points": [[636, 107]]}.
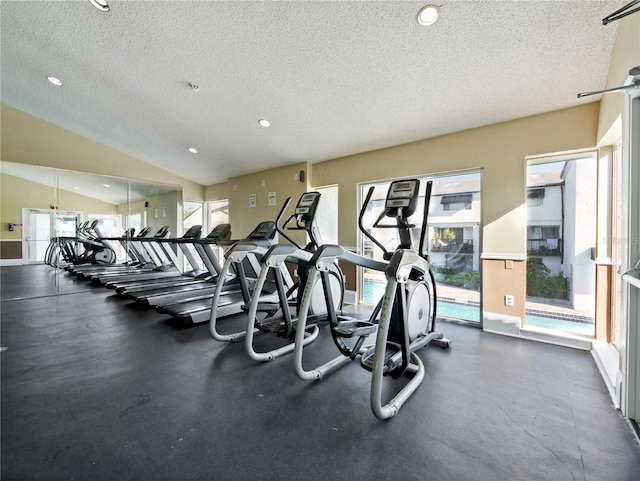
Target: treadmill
{"points": [[147, 259], [136, 258], [198, 309], [180, 290], [164, 258]]}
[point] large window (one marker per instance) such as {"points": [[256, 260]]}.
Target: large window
{"points": [[218, 212], [561, 237], [453, 240]]}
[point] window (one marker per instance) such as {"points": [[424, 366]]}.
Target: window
{"points": [[456, 201], [535, 197], [452, 240], [561, 233], [543, 240], [218, 212]]}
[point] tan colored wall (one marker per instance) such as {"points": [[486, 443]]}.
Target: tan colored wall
{"points": [[506, 277], [499, 150], [16, 194], [29, 140], [604, 301], [169, 202], [216, 192], [626, 54], [612, 126], [280, 180]]}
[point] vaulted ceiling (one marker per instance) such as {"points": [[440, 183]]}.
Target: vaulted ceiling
{"points": [[153, 78]]}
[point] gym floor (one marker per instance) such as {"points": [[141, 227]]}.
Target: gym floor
{"points": [[94, 388]]}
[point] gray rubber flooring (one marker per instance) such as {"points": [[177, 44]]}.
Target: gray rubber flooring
{"points": [[94, 388]]}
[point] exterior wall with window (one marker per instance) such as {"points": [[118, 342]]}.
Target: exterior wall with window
{"points": [[454, 221], [545, 200]]}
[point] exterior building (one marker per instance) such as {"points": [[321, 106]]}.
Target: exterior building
{"points": [[545, 217], [561, 207], [454, 225]]}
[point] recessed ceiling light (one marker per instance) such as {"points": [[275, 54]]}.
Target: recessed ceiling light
{"points": [[193, 150], [428, 15], [105, 185], [54, 81], [77, 188], [264, 123], [101, 5]]}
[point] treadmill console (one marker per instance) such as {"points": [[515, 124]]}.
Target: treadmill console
{"points": [[402, 194], [220, 232], [264, 231], [307, 205]]}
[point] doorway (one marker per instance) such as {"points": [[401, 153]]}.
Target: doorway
{"points": [[561, 240], [40, 226]]}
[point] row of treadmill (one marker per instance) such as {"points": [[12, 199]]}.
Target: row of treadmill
{"points": [[255, 284]]}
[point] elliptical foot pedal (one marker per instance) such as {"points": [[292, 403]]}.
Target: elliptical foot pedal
{"points": [[349, 327], [269, 307], [442, 342], [271, 324], [366, 361]]}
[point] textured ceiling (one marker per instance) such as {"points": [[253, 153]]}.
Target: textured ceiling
{"points": [[333, 78]]}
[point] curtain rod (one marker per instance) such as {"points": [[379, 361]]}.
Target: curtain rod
{"points": [[618, 14], [634, 82]]}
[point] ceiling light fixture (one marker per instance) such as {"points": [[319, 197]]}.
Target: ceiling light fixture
{"points": [[428, 15], [193, 150], [264, 123], [101, 5], [54, 81]]}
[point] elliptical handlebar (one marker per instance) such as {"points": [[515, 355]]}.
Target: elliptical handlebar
{"points": [[425, 218], [367, 199], [281, 230]]}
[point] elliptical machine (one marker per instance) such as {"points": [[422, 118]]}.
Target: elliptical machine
{"points": [[281, 316], [407, 310]]}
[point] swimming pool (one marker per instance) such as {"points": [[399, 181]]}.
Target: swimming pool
{"points": [[470, 312]]}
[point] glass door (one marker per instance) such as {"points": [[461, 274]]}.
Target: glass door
{"points": [[561, 239], [40, 225]]}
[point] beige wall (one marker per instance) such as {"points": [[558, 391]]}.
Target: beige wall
{"points": [[216, 192], [167, 207], [626, 54], [612, 128], [17, 194], [29, 140], [499, 150], [243, 219], [506, 277]]}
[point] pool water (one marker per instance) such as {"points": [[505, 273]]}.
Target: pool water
{"points": [[468, 312]]}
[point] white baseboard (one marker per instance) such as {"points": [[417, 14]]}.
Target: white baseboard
{"points": [[607, 359], [501, 323], [510, 326]]}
